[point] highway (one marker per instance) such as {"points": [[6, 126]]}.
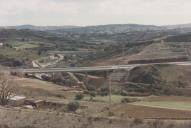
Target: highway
{"points": [[88, 69]]}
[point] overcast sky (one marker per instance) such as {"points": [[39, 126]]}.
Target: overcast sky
{"points": [[93, 12]]}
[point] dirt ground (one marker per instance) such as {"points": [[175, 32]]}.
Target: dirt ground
{"points": [[93, 114], [38, 88], [16, 118]]}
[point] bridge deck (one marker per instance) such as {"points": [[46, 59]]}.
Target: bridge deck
{"points": [[88, 69]]}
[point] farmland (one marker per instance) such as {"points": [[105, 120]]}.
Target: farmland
{"points": [[181, 105], [172, 109], [145, 112]]}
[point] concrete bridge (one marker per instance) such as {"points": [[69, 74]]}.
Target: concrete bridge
{"points": [[89, 69]]}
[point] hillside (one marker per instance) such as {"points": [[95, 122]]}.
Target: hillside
{"points": [[26, 45], [111, 43], [159, 80], [113, 28], [157, 50], [83, 100]]}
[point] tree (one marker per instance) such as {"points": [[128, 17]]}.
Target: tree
{"points": [[92, 95], [6, 89], [79, 96], [73, 106]]}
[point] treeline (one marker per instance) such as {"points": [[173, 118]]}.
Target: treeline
{"points": [[161, 60], [11, 62]]}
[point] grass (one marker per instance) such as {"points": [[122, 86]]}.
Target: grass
{"points": [[166, 104]]}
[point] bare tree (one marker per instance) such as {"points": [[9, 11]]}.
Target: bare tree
{"points": [[6, 88]]}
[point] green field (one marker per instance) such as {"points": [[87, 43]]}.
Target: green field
{"points": [[27, 46], [24, 45], [167, 104]]}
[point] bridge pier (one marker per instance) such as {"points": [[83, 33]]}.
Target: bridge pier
{"points": [[53, 76], [85, 78]]}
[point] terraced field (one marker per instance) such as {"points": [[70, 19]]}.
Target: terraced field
{"points": [[176, 108], [145, 112], [178, 105]]}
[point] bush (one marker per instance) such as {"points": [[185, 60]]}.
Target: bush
{"points": [[137, 121], [73, 106], [123, 93], [110, 113], [129, 100], [156, 124], [104, 92], [92, 95], [79, 97], [125, 100]]}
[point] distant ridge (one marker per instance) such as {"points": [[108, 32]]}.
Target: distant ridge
{"points": [[112, 28], [179, 26], [41, 28], [101, 29]]}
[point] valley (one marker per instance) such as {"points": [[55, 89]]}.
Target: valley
{"points": [[123, 75]]}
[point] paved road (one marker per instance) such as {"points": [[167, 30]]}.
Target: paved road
{"points": [[96, 68]]}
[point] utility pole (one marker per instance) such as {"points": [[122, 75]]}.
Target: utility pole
{"points": [[188, 53], [53, 76], [85, 78], [123, 50], [109, 84]]}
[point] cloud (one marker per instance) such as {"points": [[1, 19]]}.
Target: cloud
{"points": [[90, 12]]}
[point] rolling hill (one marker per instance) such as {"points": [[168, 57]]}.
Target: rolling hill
{"points": [[107, 41]]}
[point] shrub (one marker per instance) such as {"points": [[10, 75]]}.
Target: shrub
{"points": [[86, 92], [79, 97], [123, 93], [137, 121], [129, 100], [92, 95], [156, 124], [73, 106], [125, 100], [110, 113], [104, 92]]}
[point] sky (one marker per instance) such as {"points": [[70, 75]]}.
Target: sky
{"points": [[94, 12]]}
